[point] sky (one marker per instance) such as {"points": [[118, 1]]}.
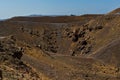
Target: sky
{"points": [[10, 8]]}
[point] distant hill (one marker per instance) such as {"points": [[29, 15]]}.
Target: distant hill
{"points": [[37, 15], [54, 19]]}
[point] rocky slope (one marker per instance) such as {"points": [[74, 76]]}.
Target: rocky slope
{"points": [[62, 48], [11, 65]]}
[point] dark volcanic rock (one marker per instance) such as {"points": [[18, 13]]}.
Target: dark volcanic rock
{"points": [[11, 65]]}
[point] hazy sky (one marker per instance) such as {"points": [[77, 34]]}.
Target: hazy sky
{"points": [[9, 8]]}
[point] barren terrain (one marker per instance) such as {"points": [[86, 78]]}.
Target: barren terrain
{"points": [[85, 47]]}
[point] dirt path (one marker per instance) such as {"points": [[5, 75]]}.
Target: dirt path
{"points": [[64, 67], [114, 42], [40, 66]]}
